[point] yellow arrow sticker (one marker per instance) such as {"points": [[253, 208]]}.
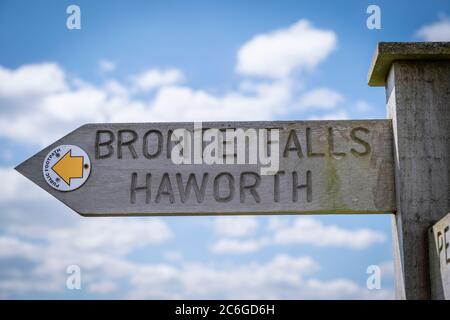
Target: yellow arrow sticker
{"points": [[66, 167], [69, 167]]}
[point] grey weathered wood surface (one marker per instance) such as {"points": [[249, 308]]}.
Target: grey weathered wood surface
{"points": [[340, 184], [439, 248], [419, 97], [417, 81], [388, 52]]}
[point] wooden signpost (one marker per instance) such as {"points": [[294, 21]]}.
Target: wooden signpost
{"points": [[129, 169], [400, 165], [416, 77]]}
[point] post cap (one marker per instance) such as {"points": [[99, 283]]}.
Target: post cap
{"points": [[387, 52]]}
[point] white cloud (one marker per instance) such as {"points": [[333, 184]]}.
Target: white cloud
{"points": [[321, 98], [342, 289], [281, 277], [115, 88], [173, 255], [363, 106], [308, 231], [99, 247], [279, 53], [232, 246], [44, 116], [104, 261], [13, 247], [275, 278], [387, 269], [313, 232], [39, 103], [31, 80], [269, 100], [118, 235], [235, 226], [102, 287], [277, 222], [13, 186], [107, 65], [338, 115], [6, 155], [437, 31], [155, 78]]}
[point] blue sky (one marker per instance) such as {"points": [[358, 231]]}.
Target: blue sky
{"points": [[186, 61]]}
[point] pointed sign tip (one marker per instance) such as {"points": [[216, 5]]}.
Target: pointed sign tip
{"points": [[19, 167], [22, 169]]}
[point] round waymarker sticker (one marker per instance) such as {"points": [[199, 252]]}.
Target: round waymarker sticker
{"points": [[66, 167]]}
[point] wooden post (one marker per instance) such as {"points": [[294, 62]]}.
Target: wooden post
{"points": [[417, 81]]}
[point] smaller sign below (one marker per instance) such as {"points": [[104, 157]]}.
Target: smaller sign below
{"points": [[66, 167], [439, 246]]}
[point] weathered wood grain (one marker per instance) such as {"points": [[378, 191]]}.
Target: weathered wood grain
{"points": [[345, 179], [418, 95]]}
